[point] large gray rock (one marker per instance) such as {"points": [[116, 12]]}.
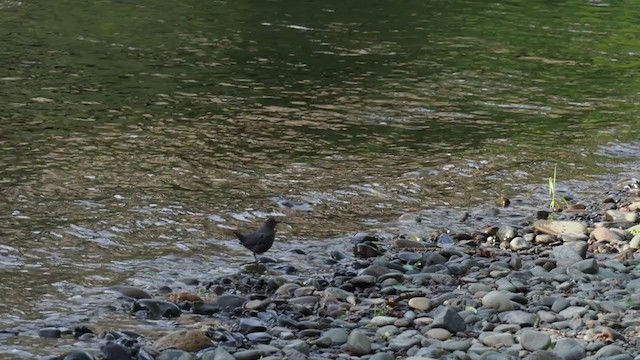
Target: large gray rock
{"points": [[534, 340], [358, 343], [570, 349], [498, 300], [445, 317]]}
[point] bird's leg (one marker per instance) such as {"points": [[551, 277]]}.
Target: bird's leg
{"points": [[255, 257]]}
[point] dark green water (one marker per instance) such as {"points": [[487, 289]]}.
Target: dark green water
{"points": [[136, 132]]}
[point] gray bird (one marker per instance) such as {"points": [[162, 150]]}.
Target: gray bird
{"points": [[260, 241]]}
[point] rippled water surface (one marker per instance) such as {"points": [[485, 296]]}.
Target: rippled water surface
{"points": [[134, 135]]}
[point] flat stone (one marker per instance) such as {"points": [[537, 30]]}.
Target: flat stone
{"points": [[573, 311], [251, 325], [498, 300], [420, 303], [382, 356], [437, 333], [403, 343], [607, 235], [557, 227], [363, 281], [496, 339], [544, 239], [534, 340]]}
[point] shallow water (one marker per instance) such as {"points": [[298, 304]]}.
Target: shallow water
{"points": [[135, 135]]}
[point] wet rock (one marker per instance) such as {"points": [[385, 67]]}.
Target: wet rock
{"points": [[174, 354], [534, 340], [363, 281], [113, 351], [248, 355], [506, 233], [519, 243], [218, 354], [407, 244], [251, 325], [131, 291], [365, 251], [437, 333], [78, 355], [259, 337], [157, 309], [186, 340], [50, 332], [447, 318], [358, 343], [503, 201], [556, 227], [382, 356], [569, 349], [229, 301], [205, 308]]}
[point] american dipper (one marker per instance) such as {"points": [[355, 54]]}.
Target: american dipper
{"points": [[260, 241]]}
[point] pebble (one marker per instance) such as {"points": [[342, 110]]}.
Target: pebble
{"points": [[50, 332], [534, 340], [498, 300], [420, 303], [358, 343]]}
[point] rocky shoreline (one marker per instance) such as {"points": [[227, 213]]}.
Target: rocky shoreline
{"points": [[564, 285]]}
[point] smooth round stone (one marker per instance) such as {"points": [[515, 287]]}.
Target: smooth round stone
{"points": [[544, 239], [230, 301], [506, 233], [400, 343], [337, 293], [519, 243], [205, 308], [403, 322], [420, 303], [50, 332], [635, 242], [518, 317], [186, 340], [498, 301], [257, 304], [534, 340], [389, 282], [131, 291], [158, 308], [248, 355], [358, 343], [437, 333], [387, 331]]}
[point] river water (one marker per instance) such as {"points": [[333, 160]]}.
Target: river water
{"points": [[135, 134]]}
